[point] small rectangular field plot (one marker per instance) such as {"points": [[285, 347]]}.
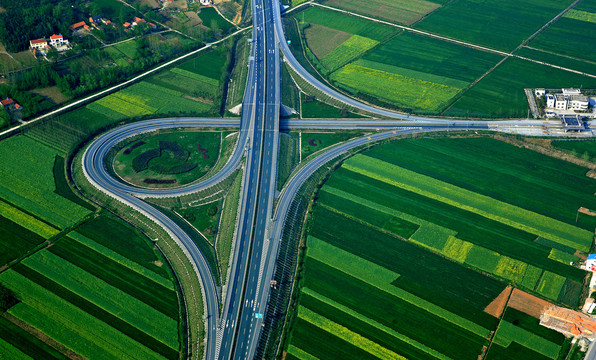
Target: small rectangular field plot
{"points": [[27, 183], [415, 71], [17, 240], [346, 23], [572, 34], [568, 62], [401, 11], [500, 24], [520, 336], [501, 93], [210, 64]]}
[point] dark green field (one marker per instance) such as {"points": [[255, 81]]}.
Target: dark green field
{"points": [[426, 55], [319, 110], [213, 20], [500, 93], [559, 60], [571, 35], [388, 266], [583, 149], [495, 23], [348, 24], [315, 141], [106, 286]]}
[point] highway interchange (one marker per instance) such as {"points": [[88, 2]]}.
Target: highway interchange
{"points": [[233, 324]]}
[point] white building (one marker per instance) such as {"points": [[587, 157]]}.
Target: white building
{"points": [[578, 102], [571, 91], [591, 263], [39, 44], [550, 101], [568, 99], [539, 92], [58, 40], [560, 102]]}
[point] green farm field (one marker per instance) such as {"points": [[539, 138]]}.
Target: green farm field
{"points": [[502, 25], [500, 93], [568, 62], [27, 184], [319, 110], [93, 295], [315, 141], [336, 39], [167, 159], [572, 34], [212, 19], [378, 251], [584, 149], [347, 24], [187, 88], [421, 74]]}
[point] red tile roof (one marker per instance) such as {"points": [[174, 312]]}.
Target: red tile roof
{"points": [[77, 25], [7, 101], [56, 37], [38, 41], [139, 20], [126, 24]]}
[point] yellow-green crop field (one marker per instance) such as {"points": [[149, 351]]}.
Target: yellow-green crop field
{"points": [[399, 89], [348, 51]]}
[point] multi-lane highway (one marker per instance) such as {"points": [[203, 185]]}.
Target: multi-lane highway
{"points": [[233, 324]]}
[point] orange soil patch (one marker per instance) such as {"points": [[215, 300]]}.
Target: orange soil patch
{"points": [[527, 303], [586, 211], [580, 255], [497, 306]]}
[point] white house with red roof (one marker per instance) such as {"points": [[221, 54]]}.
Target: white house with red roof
{"points": [[58, 40], [39, 44], [10, 105], [42, 45]]}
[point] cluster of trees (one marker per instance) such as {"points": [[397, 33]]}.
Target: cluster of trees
{"points": [[74, 81], [31, 19]]}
